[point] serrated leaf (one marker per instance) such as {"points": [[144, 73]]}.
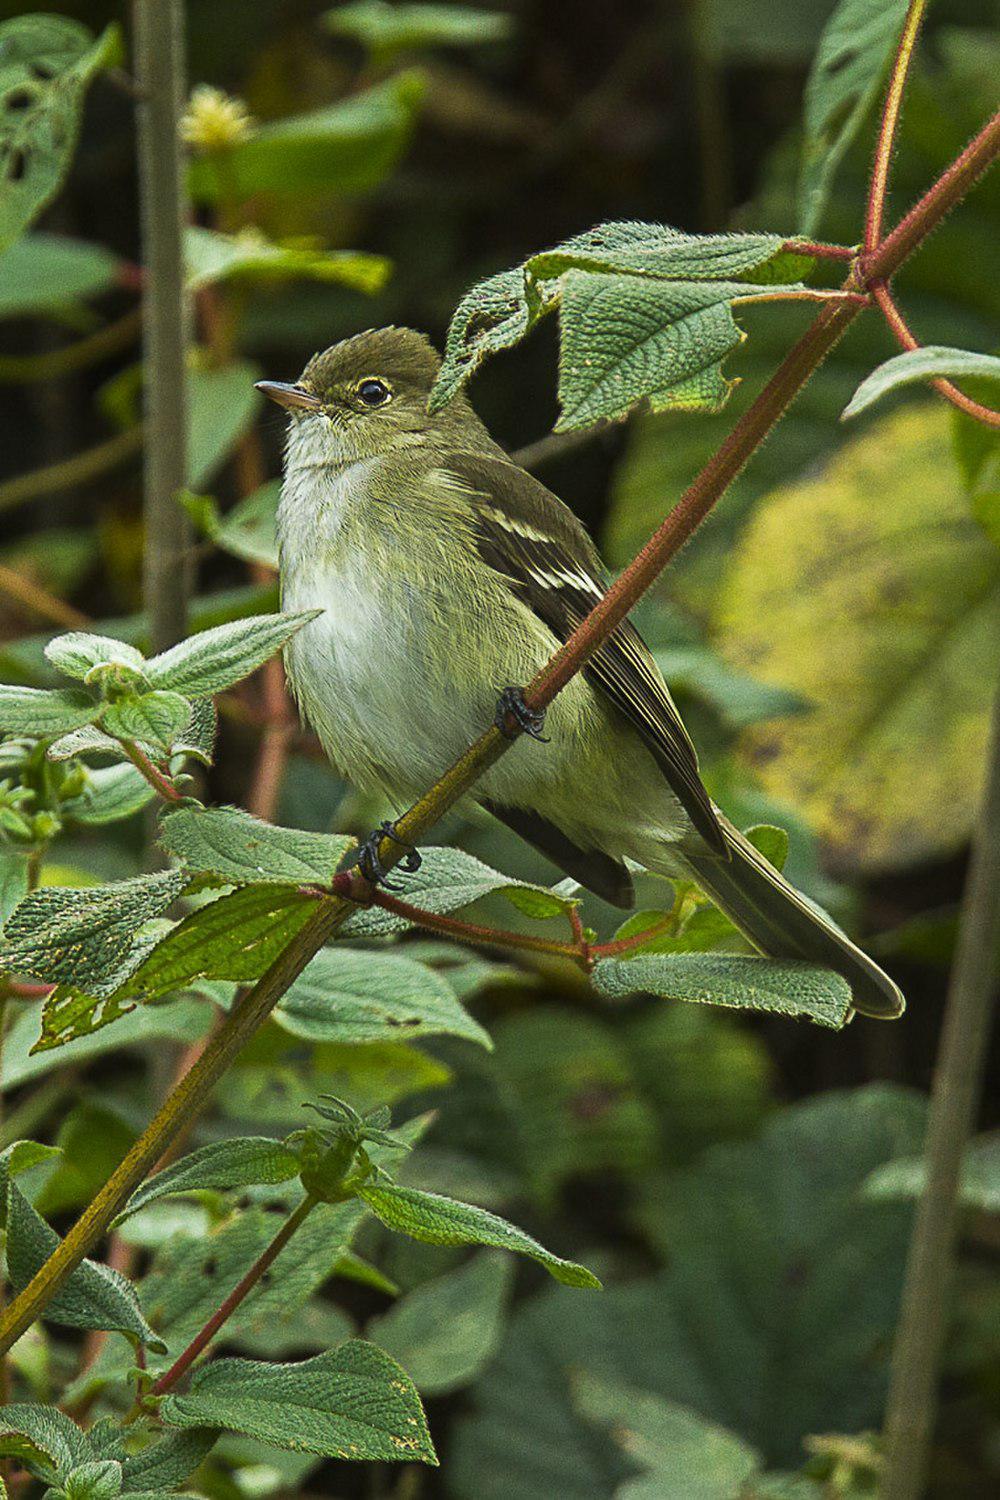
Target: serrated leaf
{"points": [[387, 30], [449, 879], [850, 62], [918, 366], [216, 659], [46, 63], [155, 718], [167, 1463], [81, 937], [43, 1439], [41, 273], [346, 147], [347, 996], [783, 987], [111, 794], [211, 257], [446, 1330], [241, 849], [352, 1403], [95, 1296], [77, 654], [99, 1479], [885, 617], [444, 1221], [44, 711], [237, 1162]]}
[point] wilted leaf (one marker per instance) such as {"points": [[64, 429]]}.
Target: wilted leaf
{"points": [[352, 1403], [444, 1221], [921, 365], [347, 996], [46, 63], [248, 256], [852, 57], [885, 617], [215, 659], [42, 272]]}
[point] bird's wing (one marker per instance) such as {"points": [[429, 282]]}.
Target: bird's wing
{"points": [[527, 534]]}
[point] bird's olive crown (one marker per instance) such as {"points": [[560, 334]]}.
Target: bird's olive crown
{"points": [[376, 369]]}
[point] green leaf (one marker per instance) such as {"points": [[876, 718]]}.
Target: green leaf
{"points": [[773, 1317], [449, 879], [885, 617], [13, 881], [351, 1403], [682, 1456], [348, 147], [443, 1221], [248, 530], [347, 996], [738, 698], [784, 987], [447, 1330], [46, 63], [111, 793], [980, 1181], [237, 1162], [181, 1021], [100, 1479], [42, 1438], [242, 850], [249, 257], [850, 63], [41, 273], [215, 659], [155, 718], [81, 937], [95, 1296], [222, 403], [919, 365], [771, 841], [636, 303], [14, 1160], [44, 711], [386, 31], [81, 654], [166, 1464]]}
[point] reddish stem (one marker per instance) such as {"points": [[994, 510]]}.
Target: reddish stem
{"points": [[246, 1285], [905, 337], [22, 989], [627, 945], [472, 932], [819, 250], [162, 784], [890, 121]]}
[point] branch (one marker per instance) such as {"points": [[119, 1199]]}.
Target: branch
{"points": [[899, 326], [890, 121], [22, 369], [331, 912], [69, 472], [39, 601], [958, 1080], [159, 68]]}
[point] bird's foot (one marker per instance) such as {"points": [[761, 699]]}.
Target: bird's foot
{"points": [[370, 865], [530, 720]]}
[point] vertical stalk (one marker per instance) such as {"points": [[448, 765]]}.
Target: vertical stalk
{"points": [[890, 122], [958, 1080], [159, 68]]}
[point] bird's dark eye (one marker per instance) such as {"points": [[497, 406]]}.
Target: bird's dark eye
{"points": [[374, 392]]}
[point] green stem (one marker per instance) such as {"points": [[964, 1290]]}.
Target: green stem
{"points": [[24, 369], [749, 432], [159, 69], [955, 1094]]}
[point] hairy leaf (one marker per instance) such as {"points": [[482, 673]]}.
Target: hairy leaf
{"points": [[216, 659], [155, 718], [43, 1439], [444, 1221], [237, 1162], [920, 365], [44, 711], [352, 1403], [46, 63], [167, 1463], [785, 987], [79, 653], [110, 794], [243, 850], [347, 996]]}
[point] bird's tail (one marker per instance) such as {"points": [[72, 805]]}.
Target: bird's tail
{"points": [[782, 923]]}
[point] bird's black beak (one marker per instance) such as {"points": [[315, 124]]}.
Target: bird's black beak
{"points": [[293, 397]]}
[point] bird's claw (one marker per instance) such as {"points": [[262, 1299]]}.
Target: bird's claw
{"points": [[370, 865], [529, 720]]}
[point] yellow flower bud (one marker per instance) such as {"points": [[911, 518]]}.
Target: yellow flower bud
{"points": [[214, 120]]}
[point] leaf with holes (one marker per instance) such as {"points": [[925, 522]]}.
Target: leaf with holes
{"points": [[242, 850], [351, 1403], [346, 996], [215, 659], [850, 62], [444, 1221], [46, 63]]}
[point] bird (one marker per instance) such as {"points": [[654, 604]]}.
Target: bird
{"points": [[446, 575]]}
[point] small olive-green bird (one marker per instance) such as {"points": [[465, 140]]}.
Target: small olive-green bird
{"points": [[446, 573]]}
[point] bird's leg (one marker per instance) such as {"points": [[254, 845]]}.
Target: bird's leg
{"points": [[367, 857], [530, 720]]}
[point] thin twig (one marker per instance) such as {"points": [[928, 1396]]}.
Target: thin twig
{"points": [[330, 913], [160, 783], [905, 337], [472, 932], [819, 250], [159, 70], [39, 601], [67, 473], [890, 120], [957, 1087], [18, 369]]}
